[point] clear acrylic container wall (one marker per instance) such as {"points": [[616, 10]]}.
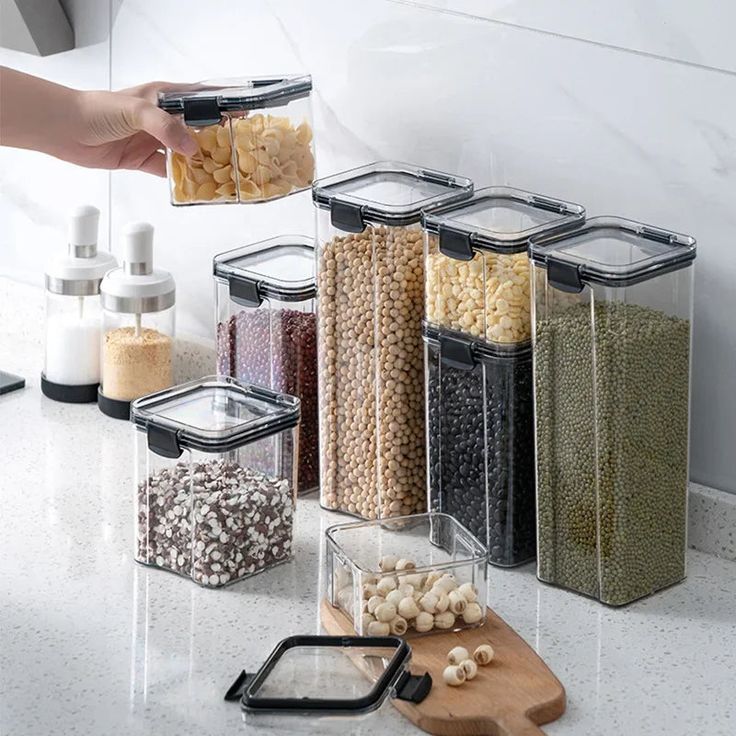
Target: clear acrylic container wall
{"points": [[72, 355], [480, 442], [216, 516], [137, 353], [254, 139], [266, 330], [419, 574], [370, 278], [612, 336]]}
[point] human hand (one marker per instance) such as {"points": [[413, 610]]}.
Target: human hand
{"points": [[104, 130]]}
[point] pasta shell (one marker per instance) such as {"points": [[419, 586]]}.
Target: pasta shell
{"points": [[206, 191], [210, 166], [221, 155], [246, 162], [223, 175], [226, 190], [223, 136]]}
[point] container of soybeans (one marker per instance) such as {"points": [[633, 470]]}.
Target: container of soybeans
{"points": [[254, 138], [612, 314], [480, 445], [370, 286]]}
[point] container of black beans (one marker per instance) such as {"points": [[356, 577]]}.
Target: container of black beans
{"points": [[481, 440], [266, 332], [216, 479], [477, 334]]}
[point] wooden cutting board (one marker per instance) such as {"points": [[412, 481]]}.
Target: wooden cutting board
{"points": [[511, 696]]}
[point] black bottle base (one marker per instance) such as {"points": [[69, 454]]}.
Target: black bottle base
{"points": [[114, 408], [86, 394]]}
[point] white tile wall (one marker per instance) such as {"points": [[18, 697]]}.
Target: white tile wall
{"points": [[617, 129]]}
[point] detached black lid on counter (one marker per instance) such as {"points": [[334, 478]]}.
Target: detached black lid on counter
{"points": [[330, 675], [610, 251], [386, 193], [205, 102], [499, 219], [280, 268], [212, 414]]}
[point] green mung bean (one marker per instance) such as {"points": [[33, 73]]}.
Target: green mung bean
{"points": [[612, 449]]}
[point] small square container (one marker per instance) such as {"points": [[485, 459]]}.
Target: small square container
{"points": [[327, 684], [370, 276], [477, 268], [266, 327], [216, 476], [480, 440], [417, 574], [612, 344], [254, 137]]}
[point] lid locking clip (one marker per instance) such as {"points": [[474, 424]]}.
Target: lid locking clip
{"points": [[236, 690], [457, 353], [564, 276], [455, 244], [347, 216], [164, 441], [413, 688], [201, 112], [245, 292]]}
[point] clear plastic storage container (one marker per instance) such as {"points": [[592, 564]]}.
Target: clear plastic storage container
{"points": [[370, 278], [480, 445], [73, 316], [254, 137], [327, 684], [216, 474], [138, 323], [480, 440], [266, 329], [612, 315], [407, 575]]}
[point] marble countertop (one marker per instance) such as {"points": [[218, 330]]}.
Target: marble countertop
{"points": [[92, 643]]}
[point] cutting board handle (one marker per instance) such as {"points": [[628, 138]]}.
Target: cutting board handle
{"points": [[517, 724]]}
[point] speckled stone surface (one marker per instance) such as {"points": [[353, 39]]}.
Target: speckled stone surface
{"points": [[92, 643]]}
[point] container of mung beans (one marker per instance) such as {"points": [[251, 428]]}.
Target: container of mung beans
{"points": [[370, 277], [266, 328], [406, 576], [216, 478], [480, 440], [254, 138], [612, 313], [480, 450]]}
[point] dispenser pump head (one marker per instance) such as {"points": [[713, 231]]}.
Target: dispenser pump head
{"points": [[83, 224], [138, 249]]}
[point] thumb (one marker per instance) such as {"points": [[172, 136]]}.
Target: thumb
{"points": [[166, 128]]}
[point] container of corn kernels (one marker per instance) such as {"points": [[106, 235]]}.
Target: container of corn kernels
{"points": [[478, 363], [254, 138]]}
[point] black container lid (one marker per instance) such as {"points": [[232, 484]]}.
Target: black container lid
{"points": [[610, 251], [330, 675], [212, 414], [499, 219], [205, 102], [386, 193], [460, 351], [281, 268]]}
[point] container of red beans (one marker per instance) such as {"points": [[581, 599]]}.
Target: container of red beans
{"points": [[265, 298]]}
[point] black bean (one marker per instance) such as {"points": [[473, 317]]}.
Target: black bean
{"points": [[481, 451]]}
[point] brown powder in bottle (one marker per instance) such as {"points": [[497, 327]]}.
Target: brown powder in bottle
{"points": [[135, 365]]}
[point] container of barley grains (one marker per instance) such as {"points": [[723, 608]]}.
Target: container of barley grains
{"points": [[266, 328], [370, 276], [612, 310], [480, 449], [216, 478]]}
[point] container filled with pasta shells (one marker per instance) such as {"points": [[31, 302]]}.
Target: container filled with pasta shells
{"points": [[370, 278], [254, 138]]}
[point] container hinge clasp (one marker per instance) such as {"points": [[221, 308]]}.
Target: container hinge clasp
{"points": [[455, 244], [564, 276], [245, 292], [413, 688], [347, 216], [199, 113], [236, 690], [457, 353], [164, 441]]}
